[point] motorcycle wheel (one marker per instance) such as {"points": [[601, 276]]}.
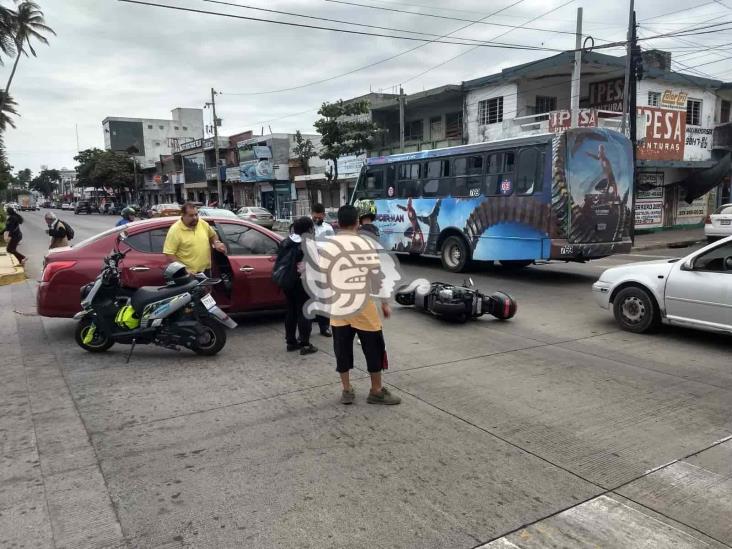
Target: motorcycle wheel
{"points": [[99, 342], [404, 298], [212, 340]]}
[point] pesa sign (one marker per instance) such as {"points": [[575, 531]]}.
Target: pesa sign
{"points": [[562, 120], [665, 134]]}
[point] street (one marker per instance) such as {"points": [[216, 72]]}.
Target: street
{"points": [[552, 429]]}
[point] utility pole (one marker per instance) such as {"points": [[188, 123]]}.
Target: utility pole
{"points": [[576, 72], [628, 63], [401, 118], [220, 200], [636, 73]]}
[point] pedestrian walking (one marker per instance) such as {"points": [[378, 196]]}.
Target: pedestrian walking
{"points": [[367, 325], [13, 234], [287, 274], [190, 239], [59, 232], [322, 229]]}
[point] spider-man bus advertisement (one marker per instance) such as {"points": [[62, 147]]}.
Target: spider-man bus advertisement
{"points": [[600, 180]]}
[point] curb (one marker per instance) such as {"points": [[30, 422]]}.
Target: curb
{"points": [[11, 271], [664, 245]]}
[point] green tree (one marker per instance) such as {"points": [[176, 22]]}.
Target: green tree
{"points": [[7, 21], [6, 170], [23, 178], [28, 25], [7, 106], [304, 150], [46, 182], [86, 160], [113, 170], [345, 130]]}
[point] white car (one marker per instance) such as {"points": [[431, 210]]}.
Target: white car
{"points": [[67, 206], [719, 224], [694, 291]]}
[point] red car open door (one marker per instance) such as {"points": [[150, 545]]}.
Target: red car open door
{"points": [[144, 263], [252, 254]]}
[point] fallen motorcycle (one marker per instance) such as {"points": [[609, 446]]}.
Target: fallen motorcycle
{"points": [[456, 303], [181, 313]]}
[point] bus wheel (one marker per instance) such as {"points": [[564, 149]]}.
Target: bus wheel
{"points": [[516, 263], [454, 254]]}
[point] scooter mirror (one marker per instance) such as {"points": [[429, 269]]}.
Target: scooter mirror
{"points": [[122, 236], [470, 281]]}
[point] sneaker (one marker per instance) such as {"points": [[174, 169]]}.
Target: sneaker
{"points": [[326, 333], [308, 349], [383, 397], [347, 397]]}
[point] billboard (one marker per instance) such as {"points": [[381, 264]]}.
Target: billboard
{"points": [[256, 164], [607, 95], [123, 135], [562, 120], [665, 134], [194, 168]]}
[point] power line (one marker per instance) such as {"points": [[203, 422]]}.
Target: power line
{"points": [[677, 11], [514, 27], [332, 29], [363, 67], [337, 20]]}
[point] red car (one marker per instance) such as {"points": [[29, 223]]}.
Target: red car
{"points": [[246, 271]]}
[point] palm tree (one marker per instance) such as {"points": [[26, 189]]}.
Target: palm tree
{"points": [[7, 45], [8, 108], [28, 24]]}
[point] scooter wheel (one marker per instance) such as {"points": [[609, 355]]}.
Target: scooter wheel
{"points": [[500, 305], [211, 340], [404, 298], [93, 341]]}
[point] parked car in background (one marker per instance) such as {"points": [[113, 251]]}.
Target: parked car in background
{"points": [[165, 210], [205, 211], [46, 204], [56, 205], [86, 207], [67, 206], [693, 291], [257, 215], [719, 224], [246, 269]]}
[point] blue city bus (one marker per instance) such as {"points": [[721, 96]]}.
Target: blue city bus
{"points": [[566, 196]]}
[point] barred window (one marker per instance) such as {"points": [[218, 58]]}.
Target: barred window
{"points": [[654, 99], [693, 112], [490, 111]]}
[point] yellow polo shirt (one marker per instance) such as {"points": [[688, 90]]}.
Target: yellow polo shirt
{"points": [[192, 247]]}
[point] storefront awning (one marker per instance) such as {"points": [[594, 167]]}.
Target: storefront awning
{"points": [[701, 182]]}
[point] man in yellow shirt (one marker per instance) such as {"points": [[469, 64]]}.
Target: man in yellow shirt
{"points": [[367, 325], [190, 240]]}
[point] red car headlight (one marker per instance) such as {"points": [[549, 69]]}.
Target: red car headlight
{"points": [[52, 268]]}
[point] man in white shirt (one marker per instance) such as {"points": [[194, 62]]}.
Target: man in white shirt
{"points": [[322, 229]]}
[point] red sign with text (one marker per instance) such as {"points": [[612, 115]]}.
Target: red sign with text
{"points": [[665, 134], [562, 120]]}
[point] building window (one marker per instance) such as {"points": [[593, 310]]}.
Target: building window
{"points": [[654, 99], [413, 130], [436, 128], [176, 128], [490, 111], [149, 126], [724, 113], [185, 128], [454, 125], [157, 143], [545, 104], [693, 112], [161, 127]]}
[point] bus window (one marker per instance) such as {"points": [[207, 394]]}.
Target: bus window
{"points": [[468, 172], [409, 171], [408, 188], [436, 182], [500, 178], [528, 176], [371, 184]]}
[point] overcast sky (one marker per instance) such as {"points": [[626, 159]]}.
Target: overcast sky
{"points": [[118, 59]]}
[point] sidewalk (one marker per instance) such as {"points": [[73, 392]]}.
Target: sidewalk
{"points": [[10, 270], [669, 239]]}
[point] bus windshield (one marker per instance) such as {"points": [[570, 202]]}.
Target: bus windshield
{"points": [[516, 201]]}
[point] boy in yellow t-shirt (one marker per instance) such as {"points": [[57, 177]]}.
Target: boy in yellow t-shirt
{"points": [[367, 325]]}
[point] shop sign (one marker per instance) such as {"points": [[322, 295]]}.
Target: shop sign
{"points": [[674, 100], [665, 134], [233, 174], [698, 143], [607, 95], [648, 214], [562, 120], [697, 209], [650, 186]]}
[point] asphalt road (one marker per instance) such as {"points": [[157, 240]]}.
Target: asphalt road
{"points": [[552, 430]]}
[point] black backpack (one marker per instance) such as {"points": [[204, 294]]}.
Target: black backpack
{"points": [[69, 230], [284, 272]]}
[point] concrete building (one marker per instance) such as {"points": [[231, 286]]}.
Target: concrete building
{"points": [[152, 138], [67, 187], [684, 145]]}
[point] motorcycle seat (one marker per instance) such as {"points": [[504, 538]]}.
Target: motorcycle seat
{"points": [[150, 294]]}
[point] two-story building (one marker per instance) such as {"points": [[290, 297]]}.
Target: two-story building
{"points": [[684, 137]]}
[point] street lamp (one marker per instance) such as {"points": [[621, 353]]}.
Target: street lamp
{"points": [[133, 151]]}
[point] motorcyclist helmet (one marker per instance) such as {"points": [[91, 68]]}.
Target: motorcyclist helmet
{"points": [[128, 213], [176, 274]]}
